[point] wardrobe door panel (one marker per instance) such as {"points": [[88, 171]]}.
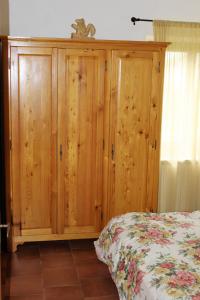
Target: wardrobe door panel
{"points": [[33, 103], [80, 113], [131, 85]]}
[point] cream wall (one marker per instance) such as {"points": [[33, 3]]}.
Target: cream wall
{"points": [[52, 18], [4, 17]]}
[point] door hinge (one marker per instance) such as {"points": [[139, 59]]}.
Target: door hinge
{"points": [[7, 227], [4, 225], [103, 144], [101, 215]]}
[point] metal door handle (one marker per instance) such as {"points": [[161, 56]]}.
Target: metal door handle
{"points": [[7, 226], [61, 151], [113, 152]]}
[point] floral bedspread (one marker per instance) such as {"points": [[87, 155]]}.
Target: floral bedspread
{"points": [[153, 256]]}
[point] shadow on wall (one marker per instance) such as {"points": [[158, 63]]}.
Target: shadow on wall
{"points": [[4, 17]]}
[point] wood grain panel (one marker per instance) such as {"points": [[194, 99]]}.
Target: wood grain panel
{"points": [[154, 131], [92, 153], [81, 100], [33, 136], [14, 135], [131, 97]]}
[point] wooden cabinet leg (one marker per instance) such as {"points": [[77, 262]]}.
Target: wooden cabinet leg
{"points": [[13, 247]]}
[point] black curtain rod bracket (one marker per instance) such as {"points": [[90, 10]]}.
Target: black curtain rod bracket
{"points": [[133, 19]]}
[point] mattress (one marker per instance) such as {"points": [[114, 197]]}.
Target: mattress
{"points": [[153, 256]]}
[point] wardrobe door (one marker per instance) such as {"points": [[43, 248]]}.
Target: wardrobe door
{"points": [[135, 126], [80, 138], [33, 103]]}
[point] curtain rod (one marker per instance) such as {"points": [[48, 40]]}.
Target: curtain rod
{"points": [[133, 19]]}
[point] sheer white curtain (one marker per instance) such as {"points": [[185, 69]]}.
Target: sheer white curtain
{"points": [[179, 187]]}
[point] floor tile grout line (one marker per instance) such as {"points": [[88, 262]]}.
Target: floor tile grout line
{"points": [[72, 250]]}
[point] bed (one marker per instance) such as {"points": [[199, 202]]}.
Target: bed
{"points": [[153, 256]]}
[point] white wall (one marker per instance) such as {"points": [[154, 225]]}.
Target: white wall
{"points": [[53, 18], [4, 17]]}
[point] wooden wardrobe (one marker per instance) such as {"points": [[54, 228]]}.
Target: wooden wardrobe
{"points": [[82, 133]]}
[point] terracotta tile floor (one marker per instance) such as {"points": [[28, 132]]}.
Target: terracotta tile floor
{"points": [[63, 270]]}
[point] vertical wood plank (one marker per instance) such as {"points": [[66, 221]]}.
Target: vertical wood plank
{"points": [[107, 174], [81, 115], [131, 96], [15, 168], [6, 117], [32, 100], [155, 131], [62, 142], [54, 146]]}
